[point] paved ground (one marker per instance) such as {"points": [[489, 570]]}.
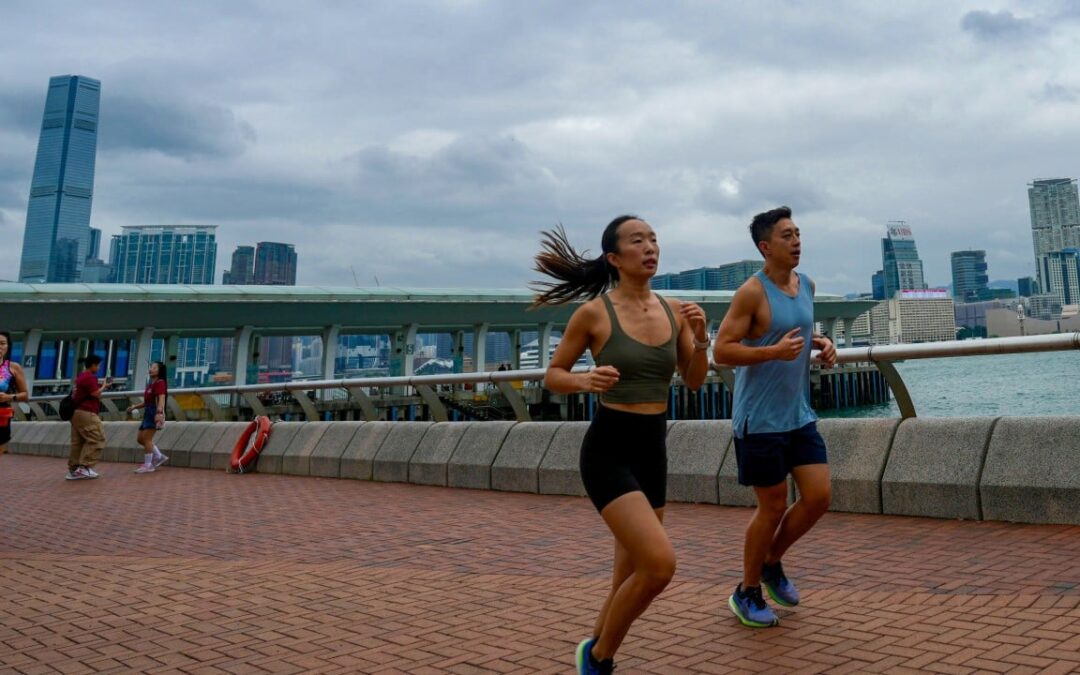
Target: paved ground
{"points": [[199, 571]]}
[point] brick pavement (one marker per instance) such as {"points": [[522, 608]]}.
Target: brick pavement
{"points": [[198, 571]]}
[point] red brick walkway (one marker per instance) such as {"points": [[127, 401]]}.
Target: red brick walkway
{"points": [[199, 571]]}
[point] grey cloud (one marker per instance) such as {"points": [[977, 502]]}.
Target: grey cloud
{"points": [[1053, 92], [755, 190], [1003, 26], [176, 128], [471, 172]]}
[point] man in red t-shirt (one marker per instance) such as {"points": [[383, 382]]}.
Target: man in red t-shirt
{"points": [[87, 431]]}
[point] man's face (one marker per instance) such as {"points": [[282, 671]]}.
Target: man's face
{"points": [[784, 246]]}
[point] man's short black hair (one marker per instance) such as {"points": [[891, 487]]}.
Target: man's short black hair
{"points": [[91, 360], [762, 225]]}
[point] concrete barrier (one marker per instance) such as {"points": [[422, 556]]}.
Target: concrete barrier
{"points": [[120, 442], [695, 451], [858, 452], [55, 440], [325, 459], [358, 460], [281, 435], [1032, 471], [560, 471], [428, 464], [297, 458], [179, 450], [392, 460], [166, 439], [517, 466], [218, 455], [470, 465], [23, 436], [934, 466]]}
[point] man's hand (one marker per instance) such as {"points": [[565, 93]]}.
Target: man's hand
{"points": [[790, 346], [828, 350], [599, 379]]}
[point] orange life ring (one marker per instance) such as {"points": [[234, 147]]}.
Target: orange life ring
{"points": [[250, 444]]}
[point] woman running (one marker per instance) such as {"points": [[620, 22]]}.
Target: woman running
{"points": [[12, 389], [153, 417], [638, 340]]}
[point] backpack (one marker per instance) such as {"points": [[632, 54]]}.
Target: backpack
{"points": [[66, 408]]}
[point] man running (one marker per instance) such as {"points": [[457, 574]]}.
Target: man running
{"points": [[764, 334]]}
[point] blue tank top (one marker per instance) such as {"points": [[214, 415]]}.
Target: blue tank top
{"points": [[774, 396]]}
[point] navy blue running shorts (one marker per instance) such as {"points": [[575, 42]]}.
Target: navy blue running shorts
{"points": [[625, 452], [767, 459]]}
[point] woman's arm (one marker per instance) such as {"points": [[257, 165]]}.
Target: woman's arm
{"points": [[693, 360], [574, 342]]}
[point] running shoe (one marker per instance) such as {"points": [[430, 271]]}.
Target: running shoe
{"points": [[91, 473], [778, 586], [160, 459], [751, 609], [585, 663], [79, 473], [145, 468]]}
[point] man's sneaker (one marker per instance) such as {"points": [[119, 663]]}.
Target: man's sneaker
{"points": [[159, 460], [145, 468], [91, 473], [750, 608], [78, 473], [586, 665], [779, 587]]}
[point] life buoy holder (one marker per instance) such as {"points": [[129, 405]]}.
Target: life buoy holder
{"points": [[246, 451]]}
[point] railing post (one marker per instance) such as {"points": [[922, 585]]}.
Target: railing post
{"points": [[367, 406], [216, 411], [515, 399], [434, 403]]}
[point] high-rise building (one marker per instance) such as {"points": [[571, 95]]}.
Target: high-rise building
{"points": [[242, 271], [165, 254], [969, 276], [900, 260], [275, 264], [56, 241], [1027, 287], [1061, 272], [877, 285], [94, 249], [1055, 218], [726, 277]]}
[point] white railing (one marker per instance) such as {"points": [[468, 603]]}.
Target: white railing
{"points": [[359, 389]]}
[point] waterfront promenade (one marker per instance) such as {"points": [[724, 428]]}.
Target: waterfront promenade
{"points": [[191, 570]]}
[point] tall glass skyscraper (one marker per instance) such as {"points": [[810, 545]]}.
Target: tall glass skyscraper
{"points": [[900, 260], [57, 237], [242, 271]]}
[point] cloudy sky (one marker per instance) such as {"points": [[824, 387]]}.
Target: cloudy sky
{"points": [[427, 143]]}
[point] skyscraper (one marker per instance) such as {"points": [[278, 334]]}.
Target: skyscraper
{"points": [[56, 241], [275, 264], [877, 285], [969, 275], [1061, 270], [1055, 223], [165, 254], [900, 260], [242, 271]]}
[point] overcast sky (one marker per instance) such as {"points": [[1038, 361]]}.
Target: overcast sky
{"points": [[427, 143]]}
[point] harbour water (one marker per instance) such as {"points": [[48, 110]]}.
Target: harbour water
{"points": [[1046, 383]]}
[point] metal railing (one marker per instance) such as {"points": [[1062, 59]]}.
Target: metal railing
{"points": [[881, 356]]}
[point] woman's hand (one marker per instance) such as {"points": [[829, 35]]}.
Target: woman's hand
{"points": [[695, 316], [599, 379]]}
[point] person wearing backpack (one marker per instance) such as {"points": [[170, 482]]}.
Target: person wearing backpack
{"points": [[153, 406], [87, 431]]}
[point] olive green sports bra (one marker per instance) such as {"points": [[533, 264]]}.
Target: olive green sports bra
{"points": [[644, 371]]}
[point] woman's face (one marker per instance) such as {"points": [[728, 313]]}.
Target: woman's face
{"points": [[639, 252], [4, 346], [153, 370]]}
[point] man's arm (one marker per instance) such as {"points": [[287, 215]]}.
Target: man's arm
{"points": [[736, 326]]}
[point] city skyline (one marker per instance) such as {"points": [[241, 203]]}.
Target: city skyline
{"points": [[450, 159]]}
